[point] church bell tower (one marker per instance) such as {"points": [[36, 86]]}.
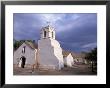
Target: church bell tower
{"points": [[49, 50], [48, 32]]}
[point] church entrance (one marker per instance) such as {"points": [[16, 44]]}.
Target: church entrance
{"points": [[22, 62]]}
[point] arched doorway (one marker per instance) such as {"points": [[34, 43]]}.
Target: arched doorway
{"points": [[22, 62]]}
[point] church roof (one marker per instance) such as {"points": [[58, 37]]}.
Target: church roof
{"points": [[78, 55], [48, 27], [31, 45], [74, 55], [65, 53]]}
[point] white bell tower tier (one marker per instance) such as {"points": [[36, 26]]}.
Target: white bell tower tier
{"points": [[50, 52], [48, 32]]}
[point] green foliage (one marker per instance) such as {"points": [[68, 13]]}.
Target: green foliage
{"points": [[92, 55], [17, 43]]}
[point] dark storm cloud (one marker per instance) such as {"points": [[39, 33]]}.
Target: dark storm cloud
{"points": [[82, 36], [26, 26], [76, 32]]}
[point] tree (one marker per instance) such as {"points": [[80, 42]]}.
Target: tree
{"points": [[92, 56], [17, 44]]}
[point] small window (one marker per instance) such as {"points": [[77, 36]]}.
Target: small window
{"points": [[44, 33], [23, 50]]}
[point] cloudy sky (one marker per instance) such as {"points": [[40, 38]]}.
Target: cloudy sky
{"points": [[75, 31]]}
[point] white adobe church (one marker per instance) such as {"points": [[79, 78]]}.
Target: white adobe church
{"points": [[48, 53]]}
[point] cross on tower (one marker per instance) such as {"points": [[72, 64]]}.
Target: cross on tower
{"points": [[48, 23]]}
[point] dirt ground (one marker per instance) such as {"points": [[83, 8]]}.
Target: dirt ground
{"points": [[81, 69]]}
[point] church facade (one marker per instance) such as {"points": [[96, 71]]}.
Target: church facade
{"points": [[25, 55], [47, 54]]}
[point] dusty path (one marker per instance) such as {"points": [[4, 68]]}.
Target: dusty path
{"points": [[75, 70]]}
